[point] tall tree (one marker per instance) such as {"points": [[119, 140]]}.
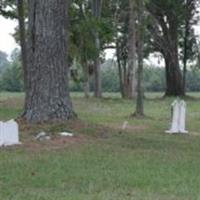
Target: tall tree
{"points": [[188, 41], [140, 93], [120, 21], [125, 44], [81, 44], [22, 33], [125, 39], [47, 68], [83, 47], [131, 76], [96, 10], [164, 30]]}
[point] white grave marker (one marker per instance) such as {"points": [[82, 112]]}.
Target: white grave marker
{"points": [[9, 133], [178, 117]]}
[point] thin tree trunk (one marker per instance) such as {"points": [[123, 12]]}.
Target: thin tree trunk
{"points": [[125, 83], [47, 72], [22, 33], [86, 85], [131, 76], [96, 9], [120, 71], [97, 73], [185, 55], [140, 92]]}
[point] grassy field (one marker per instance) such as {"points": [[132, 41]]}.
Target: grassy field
{"points": [[103, 162]]}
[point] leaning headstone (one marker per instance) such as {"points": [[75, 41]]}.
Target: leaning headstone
{"points": [[178, 117], [9, 133]]}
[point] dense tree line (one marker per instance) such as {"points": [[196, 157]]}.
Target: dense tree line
{"points": [[58, 33], [11, 78]]}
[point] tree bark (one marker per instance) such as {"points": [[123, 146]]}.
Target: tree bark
{"points": [[47, 70], [174, 86], [140, 92], [173, 73], [96, 9], [86, 84], [165, 35], [185, 45], [22, 33], [97, 74], [120, 71], [131, 76]]}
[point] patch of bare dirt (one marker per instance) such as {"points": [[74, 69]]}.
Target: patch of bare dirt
{"points": [[12, 103], [128, 127], [84, 133], [56, 142]]}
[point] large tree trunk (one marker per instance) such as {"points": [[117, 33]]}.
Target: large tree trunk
{"points": [[131, 76], [174, 86], [47, 72], [174, 79], [96, 9]]}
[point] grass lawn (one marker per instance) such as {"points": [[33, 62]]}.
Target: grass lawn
{"points": [[102, 162]]}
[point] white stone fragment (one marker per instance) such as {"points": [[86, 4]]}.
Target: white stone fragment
{"points": [[66, 134], [9, 133], [39, 135], [42, 136]]}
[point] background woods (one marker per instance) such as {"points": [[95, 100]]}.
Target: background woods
{"points": [[94, 27]]}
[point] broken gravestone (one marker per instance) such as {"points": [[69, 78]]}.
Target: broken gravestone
{"points": [[9, 133], [178, 117], [42, 136], [66, 134]]}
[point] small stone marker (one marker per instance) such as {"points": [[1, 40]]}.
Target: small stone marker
{"points": [[9, 133], [178, 117], [125, 124]]}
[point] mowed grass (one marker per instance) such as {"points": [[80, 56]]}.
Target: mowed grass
{"points": [[140, 163]]}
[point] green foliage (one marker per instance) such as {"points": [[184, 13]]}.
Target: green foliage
{"points": [[193, 80], [110, 79], [8, 8], [182, 13], [83, 26], [154, 79], [11, 79], [3, 61]]}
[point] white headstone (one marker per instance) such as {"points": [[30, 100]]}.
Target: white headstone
{"points": [[9, 133], [182, 118], [178, 117]]}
